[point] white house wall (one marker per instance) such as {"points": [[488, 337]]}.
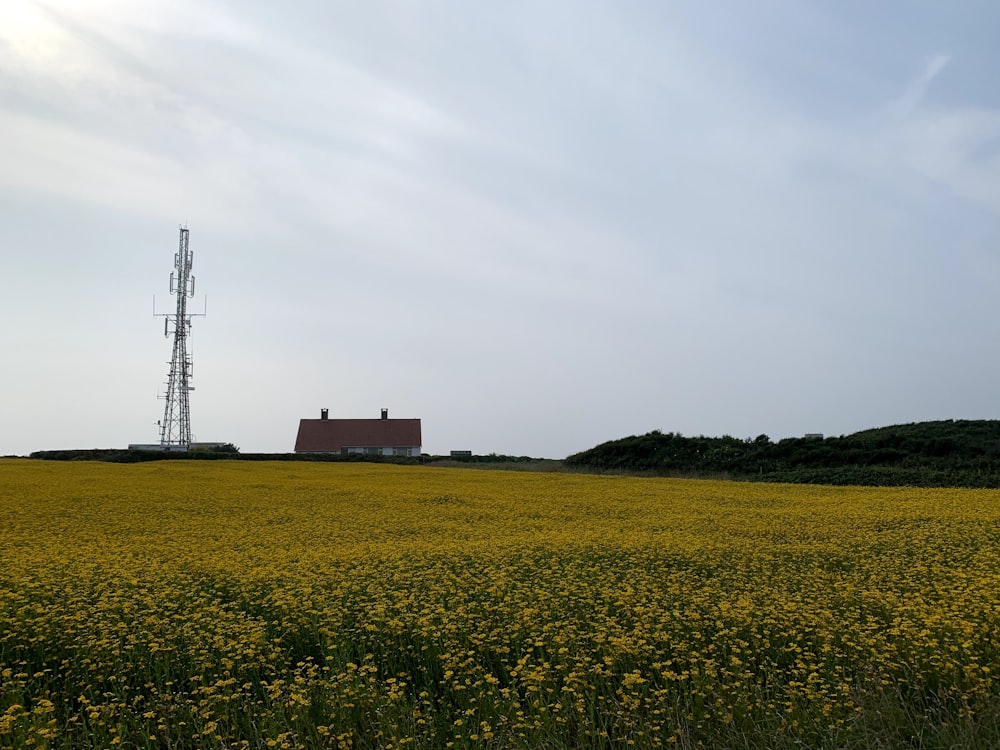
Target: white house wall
{"points": [[385, 451]]}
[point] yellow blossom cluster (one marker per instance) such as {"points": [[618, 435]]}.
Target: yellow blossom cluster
{"points": [[227, 604]]}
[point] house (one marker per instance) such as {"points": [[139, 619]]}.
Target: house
{"points": [[373, 437]]}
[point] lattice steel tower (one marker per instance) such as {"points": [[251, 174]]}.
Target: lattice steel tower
{"points": [[175, 429]]}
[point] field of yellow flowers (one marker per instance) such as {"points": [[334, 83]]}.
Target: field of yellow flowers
{"points": [[235, 604]]}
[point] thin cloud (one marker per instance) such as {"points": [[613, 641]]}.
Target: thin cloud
{"points": [[685, 218], [907, 103]]}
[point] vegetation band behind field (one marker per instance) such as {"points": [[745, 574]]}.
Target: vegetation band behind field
{"points": [[224, 604]]}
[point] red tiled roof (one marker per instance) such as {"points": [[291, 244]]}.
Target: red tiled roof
{"points": [[322, 435]]}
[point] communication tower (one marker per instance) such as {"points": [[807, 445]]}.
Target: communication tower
{"points": [[175, 429]]}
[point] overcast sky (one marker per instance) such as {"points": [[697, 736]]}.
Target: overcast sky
{"points": [[536, 225]]}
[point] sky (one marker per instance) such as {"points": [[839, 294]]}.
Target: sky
{"points": [[536, 226]]}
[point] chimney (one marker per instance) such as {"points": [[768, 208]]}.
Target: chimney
{"points": [[324, 413], [385, 414]]}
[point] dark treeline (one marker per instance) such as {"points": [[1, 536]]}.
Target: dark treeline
{"points": [[123, 456], [950, 453], [231, 453]]}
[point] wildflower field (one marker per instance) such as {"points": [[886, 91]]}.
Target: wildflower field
{"points": [[235, 604]]}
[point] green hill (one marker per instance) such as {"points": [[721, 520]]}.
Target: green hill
{"points": [[955, 453]]}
